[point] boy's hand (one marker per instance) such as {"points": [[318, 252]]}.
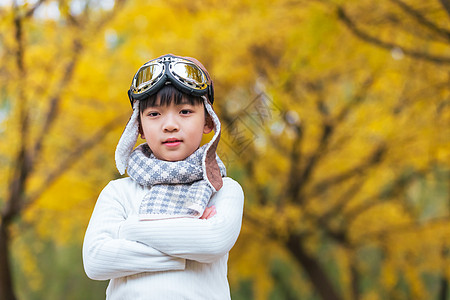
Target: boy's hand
{"points": [[209, 212]]}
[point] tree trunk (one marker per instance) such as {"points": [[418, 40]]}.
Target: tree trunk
{"points": [[312, 267], [444, 289], [355, 281], [6, 288]]}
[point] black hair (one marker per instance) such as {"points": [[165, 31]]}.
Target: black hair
{"points": [[167, 95]]}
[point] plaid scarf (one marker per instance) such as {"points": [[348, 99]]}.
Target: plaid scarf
{"points": [[177, 189]]}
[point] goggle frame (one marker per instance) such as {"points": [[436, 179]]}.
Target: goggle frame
{"points": [[167, 73]]}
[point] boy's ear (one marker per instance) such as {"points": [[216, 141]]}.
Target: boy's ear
{"points": [[141, 132], [209, 124]]}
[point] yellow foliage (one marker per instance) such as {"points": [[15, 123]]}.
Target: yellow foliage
{"points": [[28, 263], [253, 261], [369, 222], [296, 90]]}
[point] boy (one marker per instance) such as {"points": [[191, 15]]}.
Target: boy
{"points": [[182, 253]]}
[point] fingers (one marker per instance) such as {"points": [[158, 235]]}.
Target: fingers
{"points": [[212, 213], [209, 212]]}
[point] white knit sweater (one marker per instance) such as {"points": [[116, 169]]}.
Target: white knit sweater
{"points": [[180, 258]]}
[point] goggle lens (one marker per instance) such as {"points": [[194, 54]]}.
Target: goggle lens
{"points": [[190, 74], [147, 75], [185, 75]]}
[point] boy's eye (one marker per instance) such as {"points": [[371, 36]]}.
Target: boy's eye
{"points": [[185, 111]]}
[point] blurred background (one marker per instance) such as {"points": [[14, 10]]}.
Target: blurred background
{"points": [[336, 122]]}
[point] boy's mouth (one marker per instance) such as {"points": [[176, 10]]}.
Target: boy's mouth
{"points": [[172, 142]]}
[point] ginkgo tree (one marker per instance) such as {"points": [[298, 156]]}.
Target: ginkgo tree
{"points": [[43, 132], [336, 174]]}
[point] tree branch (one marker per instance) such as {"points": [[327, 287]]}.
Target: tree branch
{"points": [[77, 47], [327, 131], [74, 156], [56, 99], [357, 98], [398, 186], [387, 45], [22, 166], [312, 267], [375, 157], [33, 8], [446, 5], [401, 229], [295, 183], [421, 19], [118, 4]]}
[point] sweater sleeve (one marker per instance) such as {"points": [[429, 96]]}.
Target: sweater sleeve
{"points": [[105, 256], [195, 239]]}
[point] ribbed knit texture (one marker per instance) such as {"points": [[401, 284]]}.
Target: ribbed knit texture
{"points": [[165, 259]]}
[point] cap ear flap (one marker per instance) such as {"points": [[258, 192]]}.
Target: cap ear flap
{"points": [[211, 168], [127, 140]]}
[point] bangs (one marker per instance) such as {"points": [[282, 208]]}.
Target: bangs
{"points": [[168, 95]]}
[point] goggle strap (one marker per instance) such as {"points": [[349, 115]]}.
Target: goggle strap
{"points": [[130, 98]]}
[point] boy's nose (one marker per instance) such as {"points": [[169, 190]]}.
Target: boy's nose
{"points": [[170, 124]]}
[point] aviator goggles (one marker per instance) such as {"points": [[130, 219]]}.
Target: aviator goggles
{"points": [[185, 75]]}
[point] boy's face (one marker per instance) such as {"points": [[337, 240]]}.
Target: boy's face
{"points": [[174, 132]]}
